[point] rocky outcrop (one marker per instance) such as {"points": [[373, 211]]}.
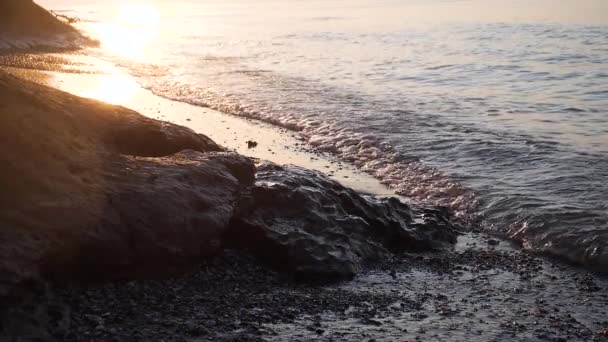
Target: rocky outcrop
{"points": [[302, 222], [25, 25], [159, 214], [98, 192], [24, 16], [91, 190]]}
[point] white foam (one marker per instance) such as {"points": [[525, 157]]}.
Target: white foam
{"points": [[413, 179]]}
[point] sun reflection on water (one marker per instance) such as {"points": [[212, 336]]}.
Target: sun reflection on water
{"points": [[111, 88], [134, 27]]}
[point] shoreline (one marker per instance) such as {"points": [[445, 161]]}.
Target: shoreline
{"points": [[126, 227], [92, 77], [482, 289], [274, 144]]}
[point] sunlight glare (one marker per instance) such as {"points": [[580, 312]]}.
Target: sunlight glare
{"points": [[138, 14], [133, 28], [113, 89]]}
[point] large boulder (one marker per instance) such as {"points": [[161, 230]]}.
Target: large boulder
{"points": [[91, 190], [153, 216], [302, 222], [95, 191]]}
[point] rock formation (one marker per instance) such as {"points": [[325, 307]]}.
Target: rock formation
{"points": [[92, 191], [82, 194], [24, 25], [303, 222]]}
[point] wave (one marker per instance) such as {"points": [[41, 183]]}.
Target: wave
{"points": [[426, 185], [407, 176], [537, 228]]}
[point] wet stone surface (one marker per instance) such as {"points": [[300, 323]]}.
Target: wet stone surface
{"points": [[302, 222]]}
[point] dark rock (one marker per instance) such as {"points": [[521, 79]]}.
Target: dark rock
{"points": [[586, 283], [251, 144], [393, 274], [145, 228], [82, 195], [136, 135], [25, 25], [26, 16], [493, 242], [369, 321], [303, 222]]}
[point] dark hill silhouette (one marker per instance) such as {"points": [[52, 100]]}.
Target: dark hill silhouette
{"points": [[26, 17]]}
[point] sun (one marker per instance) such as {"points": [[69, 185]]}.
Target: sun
{"points": [[133, 28]]}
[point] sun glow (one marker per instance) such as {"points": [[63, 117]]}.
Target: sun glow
{"points": [[134, 27], [138, 15], [112, 89]]}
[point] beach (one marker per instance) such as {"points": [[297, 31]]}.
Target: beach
{"points": [[485, 289], [129, 216], [495, 110]]}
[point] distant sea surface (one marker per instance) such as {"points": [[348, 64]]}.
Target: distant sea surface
{"points": [[497, 110]]}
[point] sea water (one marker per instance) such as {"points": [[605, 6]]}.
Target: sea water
{"points": [[497, 110]]}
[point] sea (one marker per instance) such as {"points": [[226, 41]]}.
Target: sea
{"points": [[496, 110]]}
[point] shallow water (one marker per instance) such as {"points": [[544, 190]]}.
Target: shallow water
{"points": [[495, 109]]}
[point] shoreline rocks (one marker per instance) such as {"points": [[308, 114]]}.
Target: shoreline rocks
{"points": [[302, 222], [81, 200], [99, 192], [94, 192]]}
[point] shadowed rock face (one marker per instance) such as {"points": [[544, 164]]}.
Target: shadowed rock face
{"points": [[159, 214], [301, 221], [92, 190]]}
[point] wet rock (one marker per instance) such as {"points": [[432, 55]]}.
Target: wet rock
{"points": [[97, 191], [586, 283], [369, 321], [303, 222], [493, 242], [150, 227]]}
